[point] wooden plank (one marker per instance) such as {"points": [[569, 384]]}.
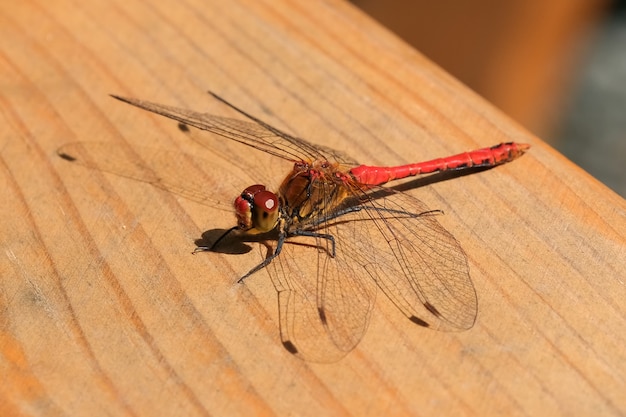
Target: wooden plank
{"points": [[105, 311]]}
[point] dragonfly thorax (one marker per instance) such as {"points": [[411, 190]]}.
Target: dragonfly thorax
{"points": [[312, 190], [256, 209]]}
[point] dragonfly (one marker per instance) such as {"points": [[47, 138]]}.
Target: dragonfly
{"points": [[339, 234]]}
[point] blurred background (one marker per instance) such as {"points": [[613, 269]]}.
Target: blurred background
{"points": [[556, 66]]}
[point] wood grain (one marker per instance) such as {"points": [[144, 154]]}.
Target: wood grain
{"points": [[103, 310]]}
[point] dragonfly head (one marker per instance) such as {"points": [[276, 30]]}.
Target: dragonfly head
{"points": [[256, 209]]}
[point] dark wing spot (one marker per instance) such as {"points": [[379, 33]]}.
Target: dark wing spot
{"points": [[432, 309], [322, 315], [290, 347], [183, 127], [419, 321], [67, 157]]}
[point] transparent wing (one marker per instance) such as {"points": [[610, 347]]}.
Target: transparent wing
{"points": [[325, 302], [256, 134], [182, 174], [418, 264], [322, 316]]}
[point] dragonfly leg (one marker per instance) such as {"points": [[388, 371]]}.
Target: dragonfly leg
{"points": [[281, 241], [279, 246], [326, 236]]}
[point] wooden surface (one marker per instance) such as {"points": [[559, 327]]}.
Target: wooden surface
{"points": [[104, 311]]}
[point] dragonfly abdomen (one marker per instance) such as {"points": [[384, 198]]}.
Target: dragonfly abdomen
{"points": [[485, 157]]}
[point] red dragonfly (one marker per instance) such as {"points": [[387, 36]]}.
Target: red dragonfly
{"points": [[332, 216]]}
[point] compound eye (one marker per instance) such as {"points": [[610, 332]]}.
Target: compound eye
{"points": [[266, 201], [253, 189], [243, 211], [265, 210]]}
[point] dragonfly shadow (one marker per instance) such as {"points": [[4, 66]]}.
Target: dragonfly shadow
{"points": [[231, 242], [438, 177]]}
